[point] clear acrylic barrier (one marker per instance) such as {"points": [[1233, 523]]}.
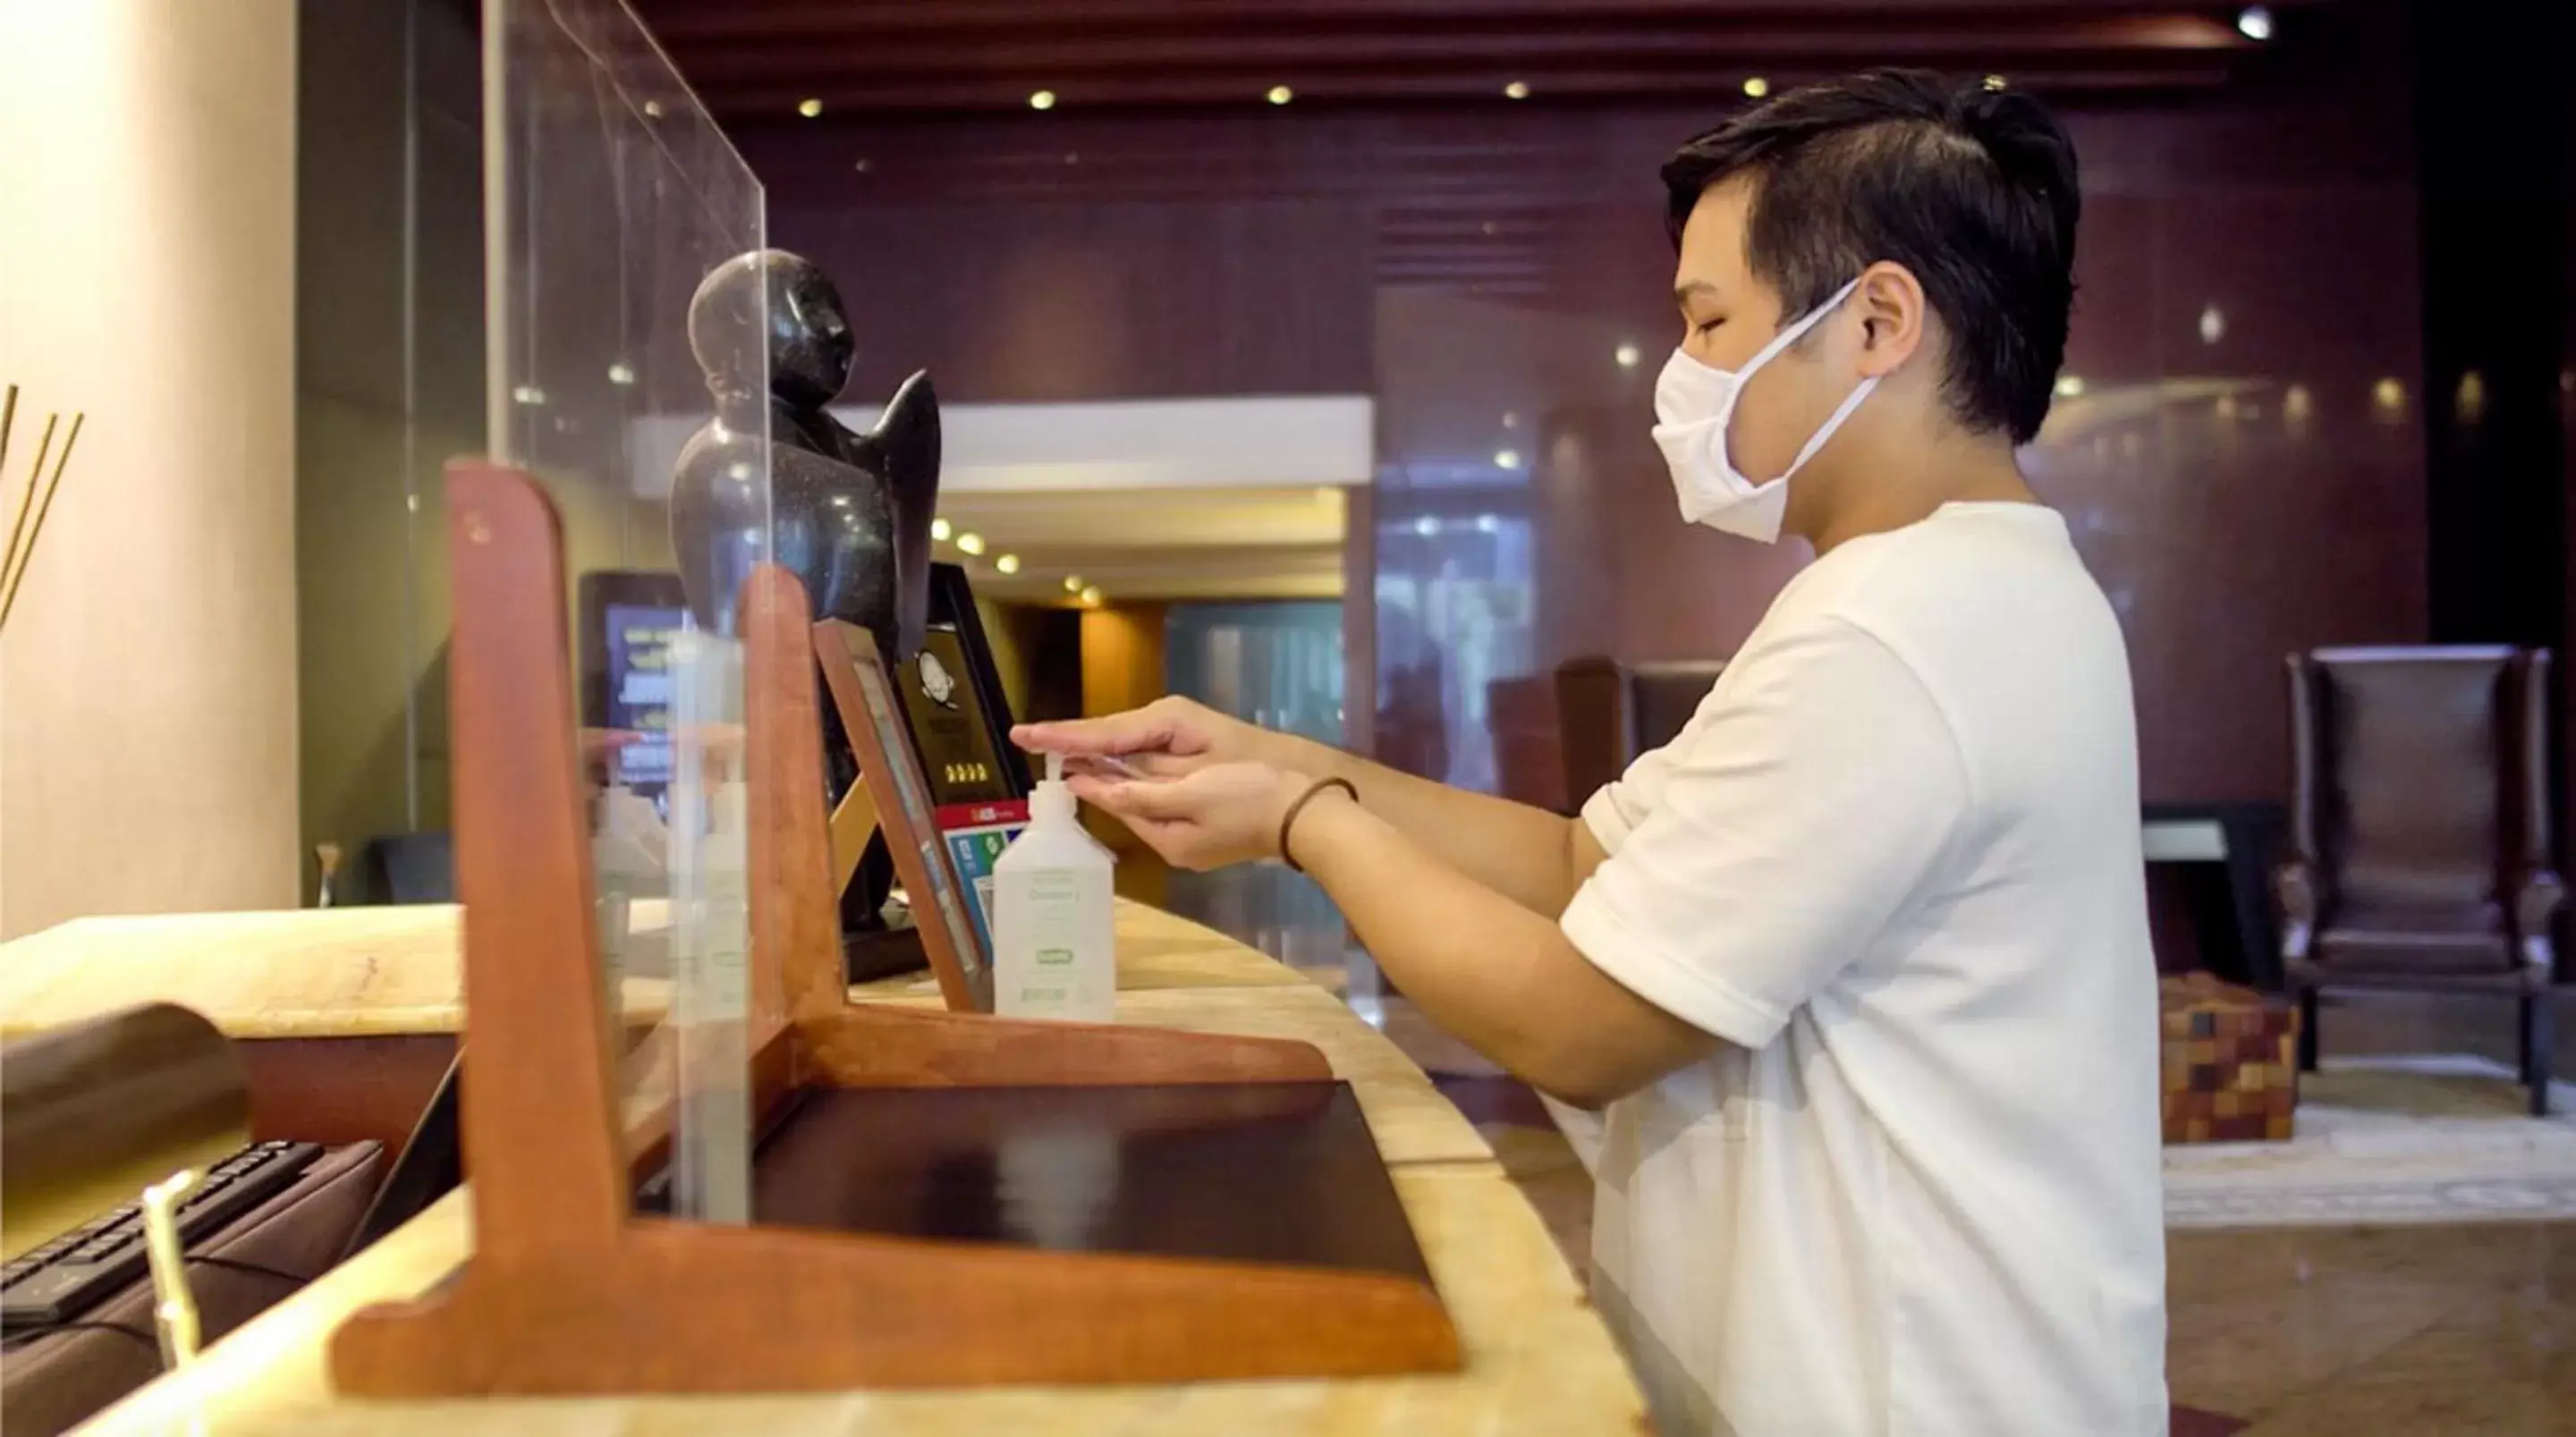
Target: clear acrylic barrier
{"points": [[611, 198]]}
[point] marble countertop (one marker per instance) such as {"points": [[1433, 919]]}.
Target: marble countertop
{"points": [[1539, 1360]]}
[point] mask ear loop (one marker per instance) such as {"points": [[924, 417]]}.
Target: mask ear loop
{"points": [[1771, 351], [1832, 423], [1763, 356], [1794, 332]]}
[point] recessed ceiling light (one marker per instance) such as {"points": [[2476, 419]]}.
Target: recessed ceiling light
{"points": [[1091, 596], [940, 531], [1073, 583], [1626, 355], [2254, 22], [2070, 386], [1995, 82], [1756, 87], [1281, 94], [1488, 524], [861, 166], [809, 108], [1427, 526], [1511, 420], [652, 109], [1507, 459], [2388, 395], [2213, 324], [970, 543], [1516, 90], [619, 374], [2469, 401], [1008, 564], [1042, 100], [528, 394]]}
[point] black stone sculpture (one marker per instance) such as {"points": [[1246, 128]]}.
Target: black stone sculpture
{"points": [[847, 513]]}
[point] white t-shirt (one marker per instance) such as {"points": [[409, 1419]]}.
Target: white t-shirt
{"points": [[1893, 860]]}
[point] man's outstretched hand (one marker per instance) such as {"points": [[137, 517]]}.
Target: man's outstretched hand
{"points": [[1168, 738]]}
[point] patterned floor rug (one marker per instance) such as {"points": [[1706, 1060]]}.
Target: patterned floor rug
{"points": [[2390, 1140]]}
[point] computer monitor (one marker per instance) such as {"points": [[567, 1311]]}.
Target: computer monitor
{"points": [[628, 620]]}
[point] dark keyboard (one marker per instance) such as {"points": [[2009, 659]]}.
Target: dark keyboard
{"points": [[84, 1267]]}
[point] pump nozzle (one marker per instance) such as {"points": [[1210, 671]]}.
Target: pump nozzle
{"points": [[1052, 801]]}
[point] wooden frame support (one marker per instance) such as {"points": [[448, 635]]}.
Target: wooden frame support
{"points": [[570, 1291], [854, 822]]}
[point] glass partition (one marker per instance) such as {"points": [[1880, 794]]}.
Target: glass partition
{"points": [[620, 306]]}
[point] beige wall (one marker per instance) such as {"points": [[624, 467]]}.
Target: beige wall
{"points": [[147, 276]]}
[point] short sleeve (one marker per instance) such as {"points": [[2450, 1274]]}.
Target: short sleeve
{"points": [[1617, 807], [1807, 803]]}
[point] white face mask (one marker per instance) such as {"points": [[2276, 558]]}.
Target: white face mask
{"points": [[1693, 404]]}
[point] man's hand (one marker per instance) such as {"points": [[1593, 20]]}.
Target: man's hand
{"points": [[1214, 815], [1530, 856], [1167, 738]]}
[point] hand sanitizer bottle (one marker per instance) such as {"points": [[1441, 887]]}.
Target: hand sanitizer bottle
{"points": [[1054, 934], [627, 856]]}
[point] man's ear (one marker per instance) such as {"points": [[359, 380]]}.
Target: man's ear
{"points": [[1892, 314]]}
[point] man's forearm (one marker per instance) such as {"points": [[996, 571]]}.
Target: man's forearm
{"points": [[1524, 853], [1505, 980]]}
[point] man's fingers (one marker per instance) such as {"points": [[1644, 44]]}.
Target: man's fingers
{"points": [[1083, 736], [1117, 734], [1098, 792], [1154, 801], [1169, 838]]}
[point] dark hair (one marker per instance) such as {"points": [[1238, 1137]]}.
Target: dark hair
{"points": [[1972, 188]]}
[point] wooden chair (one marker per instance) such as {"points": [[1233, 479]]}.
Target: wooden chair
{"points": [[1610, 712]]}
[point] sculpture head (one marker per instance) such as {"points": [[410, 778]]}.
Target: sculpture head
{"points": [[772, 303]]}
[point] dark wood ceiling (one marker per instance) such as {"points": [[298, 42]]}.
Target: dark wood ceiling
{"points": [[760, 59]]}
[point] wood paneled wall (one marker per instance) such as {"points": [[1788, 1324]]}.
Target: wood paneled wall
{"points": [[2235, 483], [1047, 300]]}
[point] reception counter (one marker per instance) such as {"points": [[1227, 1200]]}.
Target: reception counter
{"points": [[1538, 1359]]}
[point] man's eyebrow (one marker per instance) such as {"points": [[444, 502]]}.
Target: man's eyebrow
{"points": [[1685, 293]]}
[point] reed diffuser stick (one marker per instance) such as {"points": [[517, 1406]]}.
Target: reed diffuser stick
{"points": [[44, 506], [8, 416], [27, 501]]}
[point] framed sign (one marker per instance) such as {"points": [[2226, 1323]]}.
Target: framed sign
{"points": [[864, 693]]}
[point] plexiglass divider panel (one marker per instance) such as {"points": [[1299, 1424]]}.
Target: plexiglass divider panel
{"points": [[613, 206]]}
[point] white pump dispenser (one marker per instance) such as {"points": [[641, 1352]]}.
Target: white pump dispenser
{"points": [[629, 854], [1054, 931]]}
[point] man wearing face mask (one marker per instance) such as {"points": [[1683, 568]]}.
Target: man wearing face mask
{"points": [[1858, 963]]}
